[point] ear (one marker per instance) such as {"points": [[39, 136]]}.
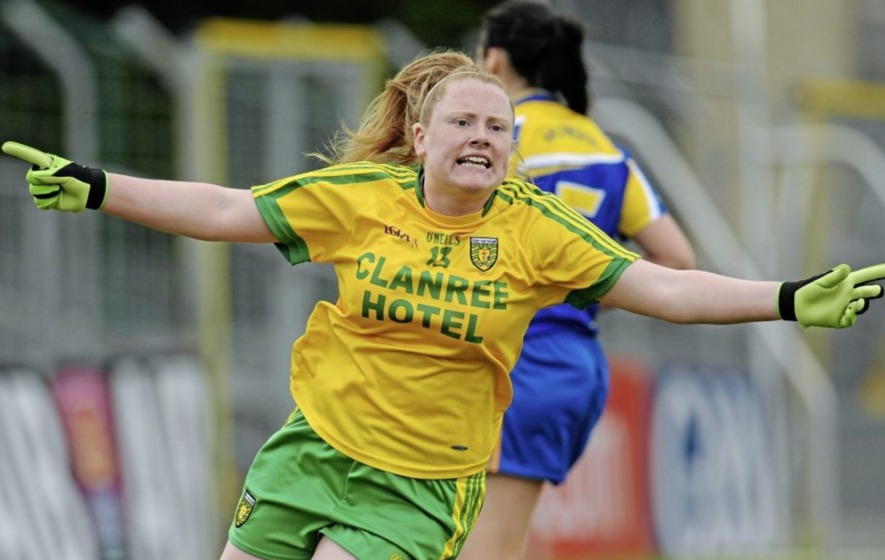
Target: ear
{"points": [[419, 139], [495, 60]]}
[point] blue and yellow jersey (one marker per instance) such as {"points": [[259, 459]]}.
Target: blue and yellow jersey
{"points": [[408, 370], [566, 153]]}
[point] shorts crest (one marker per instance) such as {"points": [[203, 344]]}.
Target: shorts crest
{"points": [[483, 252]]}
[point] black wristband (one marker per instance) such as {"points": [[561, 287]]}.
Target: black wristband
{"points": [[786, 300], [98, 186], [786, 296], [95, 178]]}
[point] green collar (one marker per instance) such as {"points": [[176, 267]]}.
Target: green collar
{"points": [[419, 192]]}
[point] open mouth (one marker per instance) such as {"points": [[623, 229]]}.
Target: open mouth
{"points": [[475, 161]]}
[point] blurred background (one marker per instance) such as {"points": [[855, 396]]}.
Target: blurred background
{"points": [[139, 373]]}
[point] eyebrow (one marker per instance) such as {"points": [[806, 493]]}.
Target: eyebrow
{"points": [[473, 114]]}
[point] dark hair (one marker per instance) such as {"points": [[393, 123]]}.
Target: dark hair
{"points": [[544, 48]]}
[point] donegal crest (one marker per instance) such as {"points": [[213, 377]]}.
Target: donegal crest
{"points": [[244, 509], [483, 252]]}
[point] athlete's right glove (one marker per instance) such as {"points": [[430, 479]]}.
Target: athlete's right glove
{"points": [[833, 299], [60, 184]]}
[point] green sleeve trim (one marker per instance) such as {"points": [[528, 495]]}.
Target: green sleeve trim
{"points": [[585, 297], [290, 244]]}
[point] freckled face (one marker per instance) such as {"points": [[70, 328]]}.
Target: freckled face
{"points": [[465, 146]]}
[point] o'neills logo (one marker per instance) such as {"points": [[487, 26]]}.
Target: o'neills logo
{"points": [[483, 252]]}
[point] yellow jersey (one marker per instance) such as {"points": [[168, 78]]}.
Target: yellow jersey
{"points": [[408, 370]]}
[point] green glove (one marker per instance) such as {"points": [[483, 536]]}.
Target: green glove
{"points": [[59, 184], [833, 299]]}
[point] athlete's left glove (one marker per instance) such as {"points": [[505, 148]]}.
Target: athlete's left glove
{"points": [[60, 184], [833, 299]]}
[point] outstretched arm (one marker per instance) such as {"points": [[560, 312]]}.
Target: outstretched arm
{"points": [[833, 299], [198, 210], [692, 296]]}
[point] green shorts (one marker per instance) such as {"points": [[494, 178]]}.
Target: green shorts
{"points": [[299, 489]]}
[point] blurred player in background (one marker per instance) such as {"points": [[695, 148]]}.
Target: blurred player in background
{"points": [[561, 381], [442, 261]]}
